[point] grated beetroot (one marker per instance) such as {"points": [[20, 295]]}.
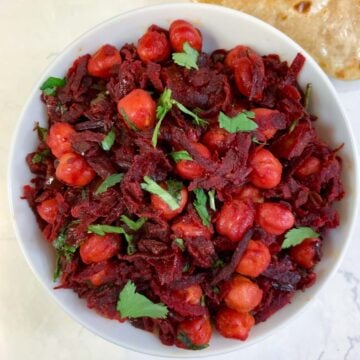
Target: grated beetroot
{"points": [[159, 266]]}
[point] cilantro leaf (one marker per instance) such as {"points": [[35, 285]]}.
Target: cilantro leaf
{"points": [[188, 58], [180, 243], [40, 156], [50, 86], [42, 132], [218, 263], [307, 95], [163, 107], [256, 141], [62, 247], [211, 194], [165, 103], [134, 305], [57, 270], [109, 182], [152, 187], [186, 267], [242, 122], [102, 230], [200, 206], [216, 290], [180, 155], [133, 225], [297, 235], [109, 140], [293, 125], [101, 96], [196, 119], [183, 338], [174, 188], [128, 122]]}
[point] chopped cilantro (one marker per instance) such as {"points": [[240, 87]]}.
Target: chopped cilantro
{"points": [[134, 305], [242, 122]]}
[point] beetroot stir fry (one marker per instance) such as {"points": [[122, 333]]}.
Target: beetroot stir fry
{"points": [[183, 191]]}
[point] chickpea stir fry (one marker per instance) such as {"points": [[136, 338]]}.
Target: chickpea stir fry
{"points": [[185, 192]]}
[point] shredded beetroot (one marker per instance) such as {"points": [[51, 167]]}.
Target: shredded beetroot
{"points": [[177, 258]]}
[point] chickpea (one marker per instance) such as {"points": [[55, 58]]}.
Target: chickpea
{"points": [[166, 212], [232, 324], [103, 60], [139, 109], [274, 218], [234, 219], [48, 210], [58, 138], [266, 169], [197, 330], [181, 32], [311, 166], [215, 138], [153, 46], [190, 169], [191, 295], [98, 248], [73, 170], [243, 294], [255, 260], [304, 254]]}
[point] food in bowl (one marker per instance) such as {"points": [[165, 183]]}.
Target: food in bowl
{"points": [[181, 188]]}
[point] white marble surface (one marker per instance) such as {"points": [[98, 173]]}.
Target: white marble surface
{"points": [[32, 326]]}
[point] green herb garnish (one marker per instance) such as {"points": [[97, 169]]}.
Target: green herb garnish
{"points": [[297, 235], [57, 270], [216, 290], [102, 230], [188, 58], [164, 105], [218, 263], [128, 122], [174, 188], [152, 187], [211, 194], [109, 182], [200, 206], [242, 122], [195, 117], [109, 140], [133, 225], [186, 267], [256, 141], [293, 125], [183, 338], [62, 249], [40, 156], [307, 95], [42, 132], [50, 86], [134, 305], [180, 155], [180, 243]]}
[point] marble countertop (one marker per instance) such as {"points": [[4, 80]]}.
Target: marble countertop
{"points": [[32, 326]]}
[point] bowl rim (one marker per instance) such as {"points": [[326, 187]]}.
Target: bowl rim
{"points": [[224, 11]]}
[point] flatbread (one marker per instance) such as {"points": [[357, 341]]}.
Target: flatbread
{"points": [[328, 29]]}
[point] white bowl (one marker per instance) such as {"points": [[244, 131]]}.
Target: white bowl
{"points": [[221, 28]]}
